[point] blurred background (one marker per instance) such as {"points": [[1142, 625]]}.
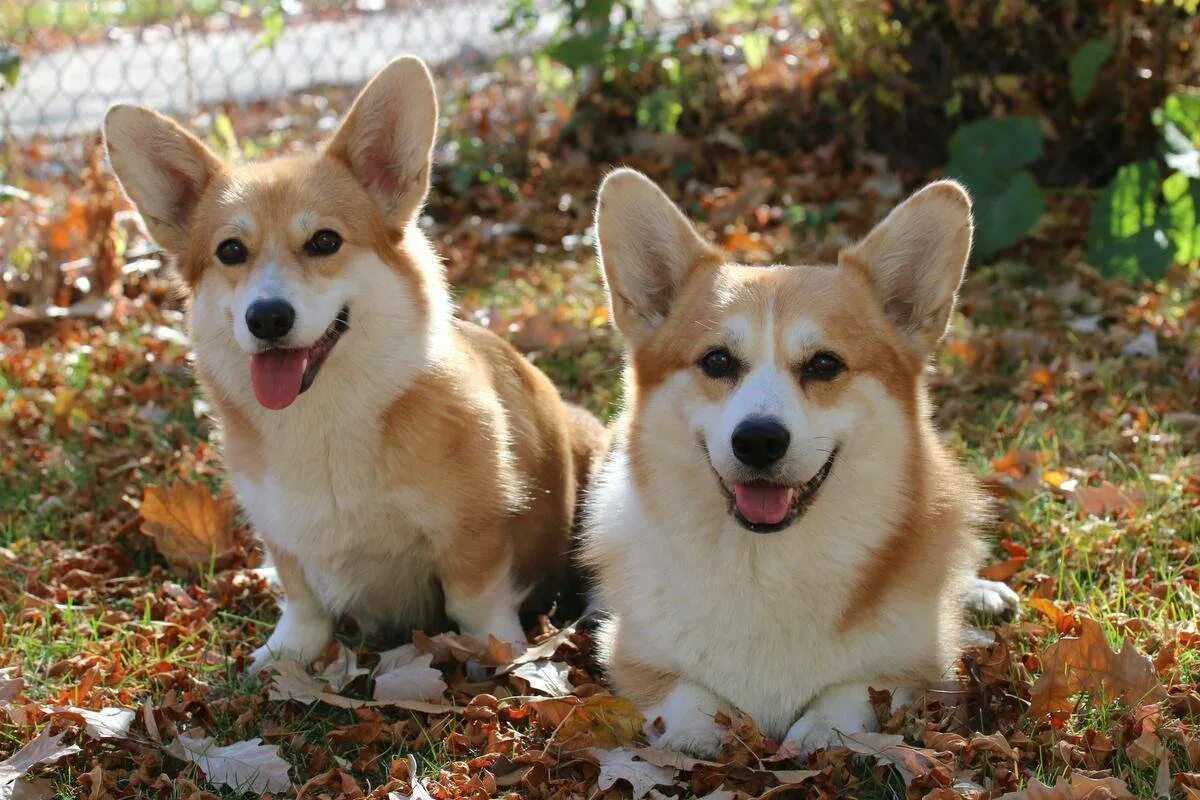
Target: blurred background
{"points": [[1070, 382]]}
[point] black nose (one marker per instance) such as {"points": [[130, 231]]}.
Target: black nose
{"points": [[760, 442], [270, 319]]}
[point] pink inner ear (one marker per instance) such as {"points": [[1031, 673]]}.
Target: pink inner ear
{"points": [[186, 192], [378, 173]]}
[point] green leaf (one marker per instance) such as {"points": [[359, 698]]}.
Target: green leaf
{"points": [[754, 49], [1127, 237], [223, 128], [1085, 65], [1182, 215], [660, 110], [1182, 110], [1179, 119], [1005, 217], [272, 28], [985, 153], [10, 65], [581, 50]]}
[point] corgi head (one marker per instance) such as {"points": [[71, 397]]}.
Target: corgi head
{"points": [[296, 264], [769, 390]]}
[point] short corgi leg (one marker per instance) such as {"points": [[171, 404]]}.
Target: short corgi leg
{"points": [[305, 627], [990, 597], [685, 720], [836, 711], [485, 603]]}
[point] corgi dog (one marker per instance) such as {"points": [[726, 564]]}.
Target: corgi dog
{"points": [[401, 466], [776, 527]]}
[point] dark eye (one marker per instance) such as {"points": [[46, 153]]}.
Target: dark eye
{"points": [[718, 363], [323, 243], [232, 252], [823, 367]]}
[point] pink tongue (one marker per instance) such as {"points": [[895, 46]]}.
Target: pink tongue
{"points": [[276, 376], [762, 505]]}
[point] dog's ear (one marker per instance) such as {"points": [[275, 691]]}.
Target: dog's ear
{"points": [[915, 259], [387, 139], [647, 249], [163, 169]]}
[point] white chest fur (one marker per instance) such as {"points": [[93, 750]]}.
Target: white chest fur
{"points": [[753, 618], [365, 546]]}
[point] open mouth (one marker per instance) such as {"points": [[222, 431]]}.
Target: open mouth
{"points": [[280, 375], [766, 507]]}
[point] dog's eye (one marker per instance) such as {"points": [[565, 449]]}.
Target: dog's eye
{"points": [[323, 243], [232, 252], [823, 367], [718, 363]]}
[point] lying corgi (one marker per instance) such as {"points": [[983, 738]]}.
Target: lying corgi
{"points": [[776, 527], [400, 465]]}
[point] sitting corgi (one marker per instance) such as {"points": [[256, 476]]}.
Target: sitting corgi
{"points": [[776, 527], [401, 465]]}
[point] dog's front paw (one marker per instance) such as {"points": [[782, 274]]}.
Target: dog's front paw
{"points": [[699, 737], [295, 638], [838, 712], [685, 720], [991, 597], [809, 734]]}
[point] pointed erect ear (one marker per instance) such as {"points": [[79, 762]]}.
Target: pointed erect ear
{"points": [[387, 139], [647, 249], [163, 168], [915, 259]]}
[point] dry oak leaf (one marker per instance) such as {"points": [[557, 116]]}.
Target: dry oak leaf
{"points": [[620, 765], [247, 766], [1108, 498], [1086, 663], [410, 678], [189, 525], [910, 762], [1075, 787], [107, 723], [45, 748], [611, 721], [547, 677]]}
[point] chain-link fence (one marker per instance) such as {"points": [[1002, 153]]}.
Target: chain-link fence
{"points": [[63, 62]]}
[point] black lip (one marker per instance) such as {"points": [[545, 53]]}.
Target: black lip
{"points": [[804, 498], [321, 348]]}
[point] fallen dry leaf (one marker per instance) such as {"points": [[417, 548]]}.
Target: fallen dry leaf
{"points": [[621, 765], [189, 525], [910, 762], [1086, 663], [107, 723], [1108, 498], [291, 681], [547, 677], [45, 748], [342, 669], [609, 720], [414, 679], [1074, 787], [246, 766]]}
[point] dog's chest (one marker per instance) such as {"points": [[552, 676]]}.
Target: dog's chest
{"points": [[365, 545], [756, 621]]}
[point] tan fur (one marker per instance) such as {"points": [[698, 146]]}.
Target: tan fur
{"points": [[428, 458]]}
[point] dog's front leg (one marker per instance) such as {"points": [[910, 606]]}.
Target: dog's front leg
{"points": [[304, 628], [685, 720], [837, 711]]}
